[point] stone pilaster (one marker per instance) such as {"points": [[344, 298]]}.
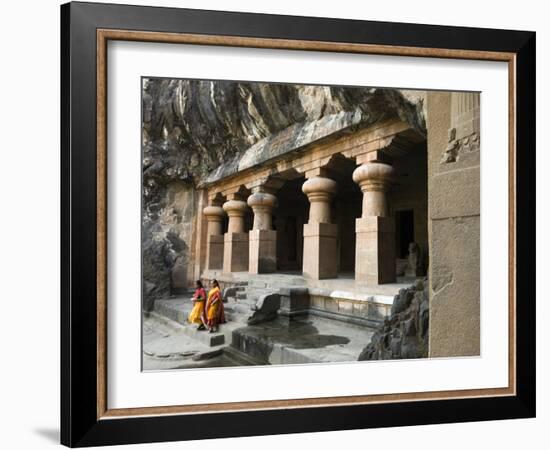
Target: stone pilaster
{"points": [[235, 249], [454, 223], [463, 135], [214, 241], [320, 245], [262, 238], [375, 230]]}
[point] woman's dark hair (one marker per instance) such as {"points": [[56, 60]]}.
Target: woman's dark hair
{"points": [[215, 283], [199, 283]]}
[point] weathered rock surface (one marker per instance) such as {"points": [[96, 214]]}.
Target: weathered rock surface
{"points": [[166, 239], [405, 334], [198, 131]]}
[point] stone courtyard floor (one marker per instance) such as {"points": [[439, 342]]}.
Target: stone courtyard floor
{"points": [[170, 345], [308, 340], [167, 346]]}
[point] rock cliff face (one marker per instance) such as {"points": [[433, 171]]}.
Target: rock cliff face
{"points": [[191, 129], [405, 334]]}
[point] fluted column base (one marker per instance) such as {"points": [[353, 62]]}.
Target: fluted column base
{"points": [[320, 251], [262, 251], [375, 250]]}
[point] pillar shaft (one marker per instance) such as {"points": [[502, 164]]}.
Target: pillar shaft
{"points": [[374, 204], [262, 205], [215, 224], [262, 238], [235, 209], [375, 230], [319, 210], [320, 246], [235, 254], [214, 255]]}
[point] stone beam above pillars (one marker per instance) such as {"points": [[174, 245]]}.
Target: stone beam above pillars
{"points": [[235, 255], [375, 230], [268, 185], [214, 255], [320, 245], [262, 237]]}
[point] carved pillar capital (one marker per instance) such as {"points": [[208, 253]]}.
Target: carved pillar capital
{"points": [[320, 191], [235, 209], [214, 215], [262, 204], [375, 179]]}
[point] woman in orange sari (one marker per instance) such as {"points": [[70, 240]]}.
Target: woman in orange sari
{"points": [[197, 314], [214, 308]]}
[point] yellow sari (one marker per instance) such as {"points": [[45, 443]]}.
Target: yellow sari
{"points": [[196, 314]]}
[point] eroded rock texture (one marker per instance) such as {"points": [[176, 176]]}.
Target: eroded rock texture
{"points": [[194, 129], [405, 334]]}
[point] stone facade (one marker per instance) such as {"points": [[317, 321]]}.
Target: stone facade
{"points": [[333, 171]]}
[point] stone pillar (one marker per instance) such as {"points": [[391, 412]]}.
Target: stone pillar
{"points": [[262, 238], [235, 249], [320, 247], [375, 230], [214, 240]]}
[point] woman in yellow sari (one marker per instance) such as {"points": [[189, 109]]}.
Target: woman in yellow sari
{"points": [[197, 314], [214, 308]]}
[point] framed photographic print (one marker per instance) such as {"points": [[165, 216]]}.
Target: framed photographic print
{"points": [[276, 224]]}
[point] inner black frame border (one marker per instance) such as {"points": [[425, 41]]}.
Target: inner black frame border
{"points": [[79, 423]]}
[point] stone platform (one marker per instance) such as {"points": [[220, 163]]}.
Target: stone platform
{"points": [[344, 284], [342, 298], [333, 322], [171, 345]]}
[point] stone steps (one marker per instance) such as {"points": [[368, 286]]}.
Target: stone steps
{"points": [[222, 337], [237, 312], [187, 329], [205, 337]]}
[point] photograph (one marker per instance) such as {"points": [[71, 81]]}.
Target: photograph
{"points": [[274, 225], [287, 223]]}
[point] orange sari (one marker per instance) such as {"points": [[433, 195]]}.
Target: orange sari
{"points": [[215, 313]]}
